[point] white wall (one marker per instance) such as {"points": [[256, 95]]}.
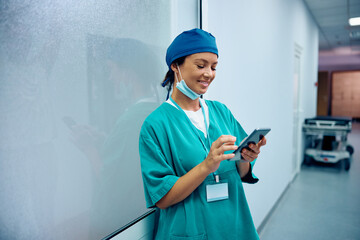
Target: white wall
{"points": [[256, 42]]}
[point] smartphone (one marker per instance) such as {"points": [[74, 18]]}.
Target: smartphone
{"points": [[69, 122], [254, 138]]}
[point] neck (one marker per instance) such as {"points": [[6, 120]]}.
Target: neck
{"points": [[184, 102]]}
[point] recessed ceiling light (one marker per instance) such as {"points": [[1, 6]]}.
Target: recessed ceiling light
{"points": [[354, 21]]}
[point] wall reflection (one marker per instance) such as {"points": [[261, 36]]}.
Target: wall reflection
{"points": [[76, 82]]}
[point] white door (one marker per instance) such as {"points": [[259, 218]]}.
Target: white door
{"points": [[296, 158]]}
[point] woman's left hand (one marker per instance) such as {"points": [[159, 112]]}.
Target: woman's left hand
{"points": [[250, 156]]}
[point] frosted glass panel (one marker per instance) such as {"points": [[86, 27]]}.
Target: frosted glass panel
{"points": [[77, 79]]}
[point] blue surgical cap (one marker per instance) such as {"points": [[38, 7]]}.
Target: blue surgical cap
{"points": [[190, 42]]}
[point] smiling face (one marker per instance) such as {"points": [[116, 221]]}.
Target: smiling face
{"points": [[198, 71]]}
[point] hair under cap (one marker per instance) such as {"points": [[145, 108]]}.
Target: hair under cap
{"points": [[189, 42]]}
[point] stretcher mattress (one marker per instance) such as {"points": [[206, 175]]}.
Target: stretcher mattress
{"points": [[327, 125]]}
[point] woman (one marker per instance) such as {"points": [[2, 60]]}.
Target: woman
{"points": [[184, 146]]}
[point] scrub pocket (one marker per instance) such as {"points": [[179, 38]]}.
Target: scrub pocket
{"points": [[197, 237]]}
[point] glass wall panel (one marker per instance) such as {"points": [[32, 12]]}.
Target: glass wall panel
{"points": [[77, 79]]}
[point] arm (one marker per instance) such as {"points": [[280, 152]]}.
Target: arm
{"points": [[186, 184]]}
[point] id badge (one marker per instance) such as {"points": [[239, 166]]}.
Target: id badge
{"points": [[217, 192]]}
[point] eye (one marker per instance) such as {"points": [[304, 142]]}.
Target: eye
{"points": [[200, 66], [214, 69]]}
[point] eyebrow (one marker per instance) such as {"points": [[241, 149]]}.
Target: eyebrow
{"points": [[204, 60]]}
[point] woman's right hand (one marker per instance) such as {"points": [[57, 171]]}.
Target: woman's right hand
{"points": [[216, 154]]}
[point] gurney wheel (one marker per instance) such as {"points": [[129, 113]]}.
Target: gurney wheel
{"points": [[347, 164], [350, 149], [307, 160]]}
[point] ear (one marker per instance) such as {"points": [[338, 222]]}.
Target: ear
{"points": [[174, 67]]}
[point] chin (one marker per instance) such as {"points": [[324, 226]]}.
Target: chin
{"points": [[202, 92]]}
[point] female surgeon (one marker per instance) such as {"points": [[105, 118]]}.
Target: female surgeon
{"points": [[184, 148]]}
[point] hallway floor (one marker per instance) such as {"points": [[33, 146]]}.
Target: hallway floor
{"points": [[323, 202]]}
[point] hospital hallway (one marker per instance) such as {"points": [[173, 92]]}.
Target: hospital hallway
{"points": [[323, 202]]}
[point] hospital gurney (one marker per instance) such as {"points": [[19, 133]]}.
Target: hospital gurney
{"points": [[326, 140]]}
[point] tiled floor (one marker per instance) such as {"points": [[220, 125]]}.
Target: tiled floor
{"points": [[323, 202]]}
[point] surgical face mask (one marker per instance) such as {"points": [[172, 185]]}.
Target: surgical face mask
{"points": [[181, 85]]}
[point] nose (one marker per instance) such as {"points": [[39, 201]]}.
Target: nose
{"points": [[208, 74]]}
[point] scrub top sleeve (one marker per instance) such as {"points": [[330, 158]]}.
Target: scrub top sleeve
{"points": [[158, 176], [249, 177]]}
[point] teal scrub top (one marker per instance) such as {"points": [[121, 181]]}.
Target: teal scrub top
{"points": [[169, 148]]}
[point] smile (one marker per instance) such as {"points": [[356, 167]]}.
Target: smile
{"points": [[204, 83]]}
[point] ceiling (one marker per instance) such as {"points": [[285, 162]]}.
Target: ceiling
{"points": [[332, 18]]}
